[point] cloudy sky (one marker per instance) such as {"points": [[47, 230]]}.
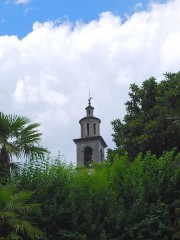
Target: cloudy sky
{"points": [[53, 52]]}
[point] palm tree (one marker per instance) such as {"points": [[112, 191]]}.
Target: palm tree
{"points": [[14, 222], [18, 137]]}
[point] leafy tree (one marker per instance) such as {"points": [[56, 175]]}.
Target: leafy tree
{"points": [[14, 222], [18, 137], [120, 200], [52, 182], [147, 190], [146, 125]]}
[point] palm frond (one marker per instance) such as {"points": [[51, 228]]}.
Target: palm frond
{"points": [[12, 149], [16, 122], [5, 193], [34, 152], [4, 126], [13, 210], [21, 197], [18, 136], [25, 227], [20, 208], [13, 236], [10, 124], [30, 134], [7, 214]]}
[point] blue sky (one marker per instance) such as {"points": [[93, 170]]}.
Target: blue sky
{"points": [[49, 62], [18, 16]]}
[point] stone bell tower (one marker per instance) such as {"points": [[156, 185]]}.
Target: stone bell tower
{"points": [[90, 147]]}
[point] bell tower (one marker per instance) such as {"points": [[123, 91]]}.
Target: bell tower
{"points": [[90, 147]]}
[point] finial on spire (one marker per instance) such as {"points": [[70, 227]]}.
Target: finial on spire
{"points": [[89, 100]]}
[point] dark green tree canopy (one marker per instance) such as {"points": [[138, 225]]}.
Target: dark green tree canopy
{"points": [[146, 126]]}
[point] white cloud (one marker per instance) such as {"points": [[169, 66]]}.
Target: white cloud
{"points": [[138, 6], [48, 74], [21, 1]]}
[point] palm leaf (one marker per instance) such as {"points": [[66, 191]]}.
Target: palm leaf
{"points": [[7, 214], [22, 196], [29, 136], [18, 207], [13, 208], [16, 122], [34, 151], [18, 137], [12, 236], [25, 227], [5, 193], [4, 126]]}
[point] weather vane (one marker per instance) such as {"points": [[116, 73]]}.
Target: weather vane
{"points": [[89, 100]]}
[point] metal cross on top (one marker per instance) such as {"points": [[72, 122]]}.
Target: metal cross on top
{"points": [[89, 100]]}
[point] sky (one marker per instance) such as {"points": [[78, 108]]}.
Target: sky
{"points": [[54, 52]]}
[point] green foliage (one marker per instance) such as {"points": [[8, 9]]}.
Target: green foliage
{"points": [[14, 210], [120, 200], [177, 223], [150, 120]]}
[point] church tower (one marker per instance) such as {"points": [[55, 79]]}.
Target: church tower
{"points": [[90, 147]]}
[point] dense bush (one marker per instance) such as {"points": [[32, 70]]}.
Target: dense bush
{"points": [[120, 200]]}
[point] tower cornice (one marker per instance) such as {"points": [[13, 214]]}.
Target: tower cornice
{"points": [[89, 107], [89, 118], [86, 139]]}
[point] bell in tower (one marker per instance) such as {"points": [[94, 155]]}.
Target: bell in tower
{"points": [[90, 147]]}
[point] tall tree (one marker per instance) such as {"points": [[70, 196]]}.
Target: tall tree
{"points": [[18, 137], [146, 125]]}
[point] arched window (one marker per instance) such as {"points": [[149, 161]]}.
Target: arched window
{"points": [[101, 155], [81, 130], [94, 125], [87, 156], [88, 129]]}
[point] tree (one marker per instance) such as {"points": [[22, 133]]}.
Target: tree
{"points": [[120, 200], [18, 137], [14, 222], [146, 125]]}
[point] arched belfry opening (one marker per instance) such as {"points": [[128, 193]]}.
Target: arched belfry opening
{"points": [[90, 147], [101, 155], [88, 156]]}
